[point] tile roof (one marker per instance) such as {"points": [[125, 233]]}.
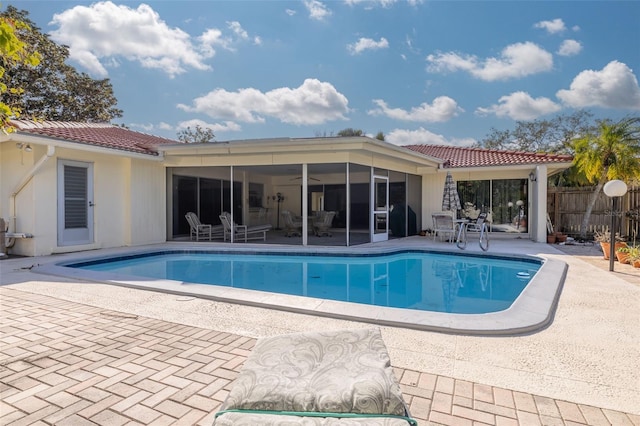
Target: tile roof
{"points": [[97, 134], [478, 157], [114, 137]]}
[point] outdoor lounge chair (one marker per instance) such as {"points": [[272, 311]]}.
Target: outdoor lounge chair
{"points": [[479, 226], [444, 224], [322, 222], [200, 230], [243, 232], [323, 378], [292, 224]]}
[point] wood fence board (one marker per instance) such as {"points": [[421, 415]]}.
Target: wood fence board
{"points": [[566, 207]]}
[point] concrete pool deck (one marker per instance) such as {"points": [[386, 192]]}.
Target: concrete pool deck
{"points": [[582, 368], [440, 281]]}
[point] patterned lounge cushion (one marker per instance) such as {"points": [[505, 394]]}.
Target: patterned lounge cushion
{"points": [[252, 419], [345, 371]]}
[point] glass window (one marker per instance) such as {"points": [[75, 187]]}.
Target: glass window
{"points": [[509, 206], [475, 197], [256, 193], [504, 200]]}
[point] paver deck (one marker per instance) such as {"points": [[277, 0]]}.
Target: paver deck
{"points": [[67, 363]]}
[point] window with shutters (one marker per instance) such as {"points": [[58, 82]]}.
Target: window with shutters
{"points": [[75, 197]]}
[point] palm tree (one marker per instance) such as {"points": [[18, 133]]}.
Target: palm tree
{"points": [[613, 152]]}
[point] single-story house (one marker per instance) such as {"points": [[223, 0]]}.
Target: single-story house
{"points": [[77, 186]]}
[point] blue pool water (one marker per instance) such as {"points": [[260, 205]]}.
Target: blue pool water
{"points": [[427, 281]]}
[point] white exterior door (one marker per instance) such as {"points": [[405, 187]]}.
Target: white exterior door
{"points": [[75, 203], [380, 208]]}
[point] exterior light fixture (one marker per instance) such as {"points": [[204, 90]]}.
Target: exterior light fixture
{"points": [[532, 177], [613, 189], [24, 146]]}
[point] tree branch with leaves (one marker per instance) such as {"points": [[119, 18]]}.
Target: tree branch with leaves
{"points": [[13, 51], [51, 89], [611, 152], [199, 135]]}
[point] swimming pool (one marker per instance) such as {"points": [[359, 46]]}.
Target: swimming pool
{"points": [[468, 293], [411, 279]]}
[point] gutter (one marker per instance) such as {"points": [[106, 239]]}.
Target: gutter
{"points": [[12, 235]]}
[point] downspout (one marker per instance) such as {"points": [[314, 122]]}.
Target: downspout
{"points": [[25, 180]]}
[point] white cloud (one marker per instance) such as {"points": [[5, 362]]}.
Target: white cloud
{"points": [[382, 3], [212, 38], [520, 106], [317, 10], [442, 109], [99, 34], [516, 60], [423, 137], [165, 126], [552, 27], [104, 30], [367, 44], [615, 86], [237, 29], [290, 12], [148, 127], [227, 126], [314, 102], [570, 48]]}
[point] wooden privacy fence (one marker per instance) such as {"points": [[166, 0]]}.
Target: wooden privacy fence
{"points": [[566, 207]]}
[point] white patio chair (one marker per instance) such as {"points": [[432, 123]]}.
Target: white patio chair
{"points": [[292, 224], [322, 222], [243, 231], [200, 230], [444, 224], [479, 226]]}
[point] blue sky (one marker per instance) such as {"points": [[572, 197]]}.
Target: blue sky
{"points": [[442, 72]]}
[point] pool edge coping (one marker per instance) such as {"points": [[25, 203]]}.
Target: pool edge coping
{"points": [[533, 310]]}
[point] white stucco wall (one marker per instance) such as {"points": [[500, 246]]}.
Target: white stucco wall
{"points": [[433, 184], [147, 201], [129, 197]]}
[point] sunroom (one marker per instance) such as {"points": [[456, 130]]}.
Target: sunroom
{"points": [[372, 188]]}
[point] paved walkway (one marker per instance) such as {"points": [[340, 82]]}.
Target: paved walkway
{"points": [[66, 363]]}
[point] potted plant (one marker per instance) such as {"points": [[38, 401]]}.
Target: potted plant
{"points": [[604, 238], [632, 254], [622, 254], [551, 238]]}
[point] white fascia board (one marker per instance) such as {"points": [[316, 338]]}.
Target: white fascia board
{"points": [[551, 167], [302, 145], [79, 146]]}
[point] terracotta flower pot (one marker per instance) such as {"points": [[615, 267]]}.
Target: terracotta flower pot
{"points": [[551, 238], [606, 248], [622, 257], [636, 263]]}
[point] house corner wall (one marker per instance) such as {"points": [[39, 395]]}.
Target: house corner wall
{"points": [[539, 233], [147, 221]]}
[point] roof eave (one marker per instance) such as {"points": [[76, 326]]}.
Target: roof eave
{"points": [[555, 166], [35, 139], [303, 145]]}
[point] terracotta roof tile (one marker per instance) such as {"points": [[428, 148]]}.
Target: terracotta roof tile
{"points": [[115, 137], [97, 134], [478, 157]]}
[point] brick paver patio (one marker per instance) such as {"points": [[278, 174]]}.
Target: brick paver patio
{"points": [[66, 363]]}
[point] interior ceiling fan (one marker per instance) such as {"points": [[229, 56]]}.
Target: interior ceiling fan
{"points": [[309, 178]]}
